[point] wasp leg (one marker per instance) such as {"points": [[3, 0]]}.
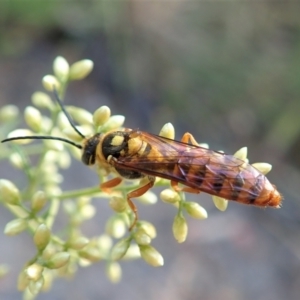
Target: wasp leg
{"points": [[186, 138], [175, 186], [106, 186], [137, 193], [187, 189]]}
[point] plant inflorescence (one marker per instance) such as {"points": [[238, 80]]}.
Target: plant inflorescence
{"points": [[35, 207]]}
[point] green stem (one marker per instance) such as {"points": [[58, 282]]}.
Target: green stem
{"points": [[96, 191], [78, 193], [53, 210], [181, 202]]}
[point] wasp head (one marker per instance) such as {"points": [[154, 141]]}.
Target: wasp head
{"points": [[89, 150]]}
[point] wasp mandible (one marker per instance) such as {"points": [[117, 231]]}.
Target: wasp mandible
{"points": [[135, 154]]}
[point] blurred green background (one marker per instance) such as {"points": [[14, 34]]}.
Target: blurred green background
{"points": [[226, 71]]}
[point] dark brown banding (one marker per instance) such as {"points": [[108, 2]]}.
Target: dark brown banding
{"points": [[218, 182], [238, 183], [184, 166], [254, 191], [147, 149], [199, 175], [171, 168], [184, 169], [194, 174]]}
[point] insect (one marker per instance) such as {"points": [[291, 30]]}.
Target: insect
{"points": [[135, 154]]}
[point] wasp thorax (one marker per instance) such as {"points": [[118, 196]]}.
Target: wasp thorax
{"points": [[114, 143], [89, 149]]}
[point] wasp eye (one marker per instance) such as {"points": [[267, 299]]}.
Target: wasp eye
{"points": [[88, 158], [89, 150]]}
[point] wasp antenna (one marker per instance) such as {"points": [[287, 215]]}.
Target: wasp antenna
{"points": [[66, 113], [40, 137]]}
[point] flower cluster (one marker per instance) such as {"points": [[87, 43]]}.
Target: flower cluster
{"points": [[35, 208]]}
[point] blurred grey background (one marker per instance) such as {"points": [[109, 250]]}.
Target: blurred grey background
{"points": [[226, 71]]}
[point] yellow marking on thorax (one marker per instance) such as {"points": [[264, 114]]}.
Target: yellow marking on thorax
{"points": [[142, 149], [135, 145], [117, 140]]}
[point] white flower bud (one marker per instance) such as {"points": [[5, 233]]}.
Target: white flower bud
{"points": [[120, 249], [141, 237], [116, 227], [78, 243], [54, 145], [86, 130], [80, 115], [168, 131], [50, 83], [42, 100], [148, 228], [35, 286], [15, 227], [41, 237], [20, 133], [48, 279], [133, 252], [180, 228], [33, 118], [81, 69], [101, 115], [23, 281], [241, 154], [9, 193], [61, 68], [114, 122], [38, 201], [62, 121], [83, 201], [148, 198], [262, 167], [105, 242], [195, 210], [220, 203], [34, 272], [64, 160], [169, 196], [48, 252], [47, 124], [114, 272], [16, 160], [118, 204], [8, 112], [90, 253], [58, 260], [151, 256], [87, 211]]}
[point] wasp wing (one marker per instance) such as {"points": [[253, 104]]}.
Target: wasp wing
{"points": [[197, 167]]}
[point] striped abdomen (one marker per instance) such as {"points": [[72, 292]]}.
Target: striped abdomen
{"points": [[227, 177]]}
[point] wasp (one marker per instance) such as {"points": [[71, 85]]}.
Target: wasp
{"points": [[135, 154]]}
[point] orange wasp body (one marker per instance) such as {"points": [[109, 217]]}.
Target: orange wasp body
{"points": [[136, 154]]}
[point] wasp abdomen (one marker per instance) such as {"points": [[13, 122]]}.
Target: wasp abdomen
{"points": [[227, 177]]}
